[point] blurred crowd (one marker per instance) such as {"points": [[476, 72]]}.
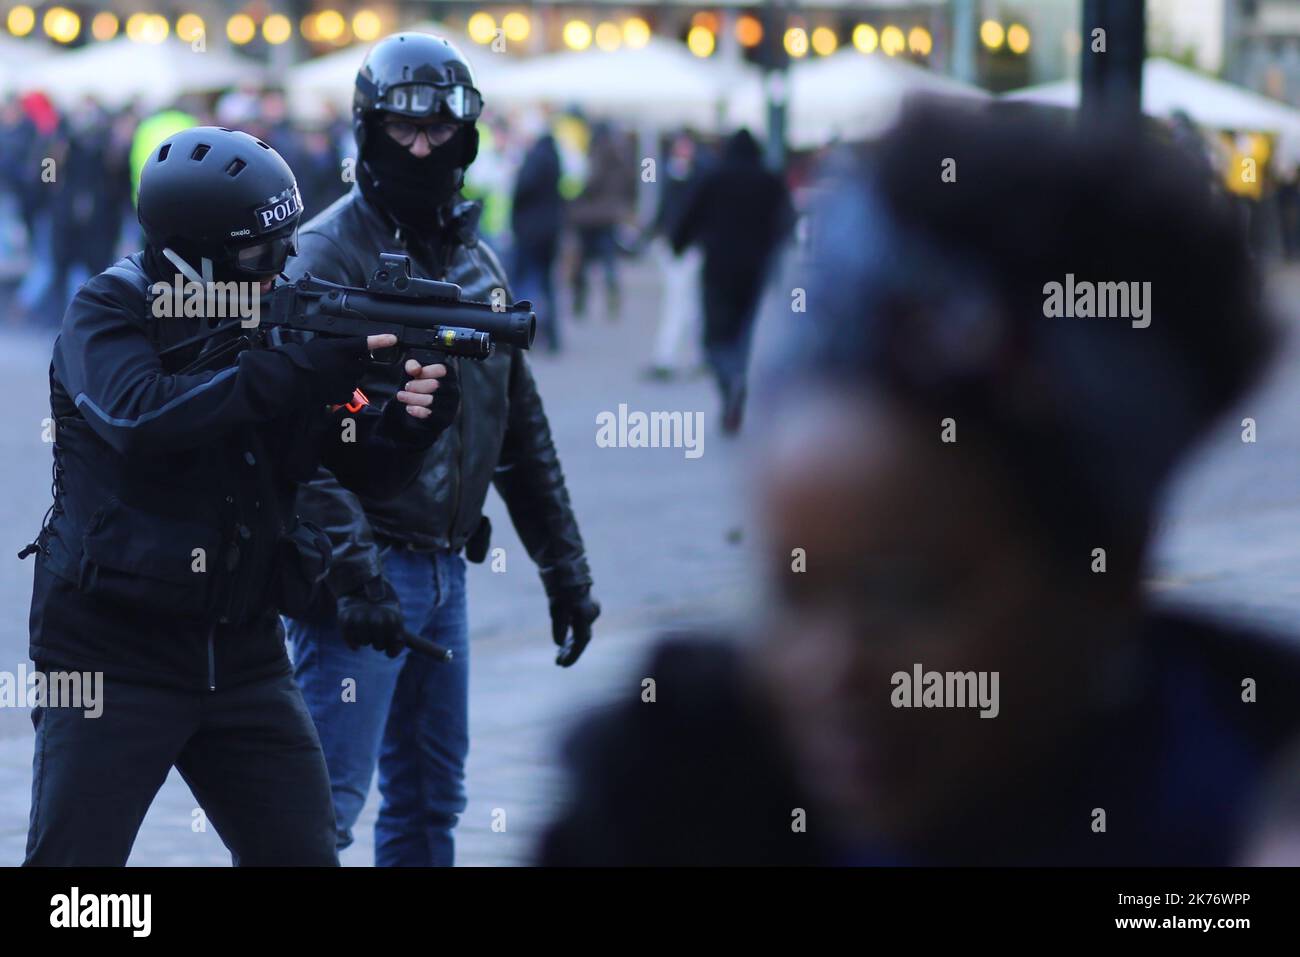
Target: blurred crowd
{"points": [[67, 212], [565, 201]]}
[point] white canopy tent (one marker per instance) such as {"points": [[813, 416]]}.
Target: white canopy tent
{"points": [[847, 95], [118, 71], [660, 83], [1168, 87], [17, 57]]}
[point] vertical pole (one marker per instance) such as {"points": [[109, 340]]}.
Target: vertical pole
{"points": [[776, 76], [963, 40], [1111, 81]]}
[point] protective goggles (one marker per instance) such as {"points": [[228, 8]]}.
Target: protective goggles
{"points": [[457, 100], [268, 257]]}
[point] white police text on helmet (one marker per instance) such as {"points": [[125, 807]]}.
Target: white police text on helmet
{"points": [[278, 213]]}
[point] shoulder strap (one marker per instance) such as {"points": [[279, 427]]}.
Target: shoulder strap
{"points": [[128, 270]]}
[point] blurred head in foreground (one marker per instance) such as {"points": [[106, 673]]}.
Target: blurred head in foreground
{"points": [[1013, 335]]}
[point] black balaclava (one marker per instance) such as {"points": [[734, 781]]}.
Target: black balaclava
{"points": [[412, 189]]}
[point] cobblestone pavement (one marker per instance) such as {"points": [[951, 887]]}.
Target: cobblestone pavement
{"points": [[668, 545]]}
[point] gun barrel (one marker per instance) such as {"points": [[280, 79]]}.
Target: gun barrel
{"points": [[515, 325]]}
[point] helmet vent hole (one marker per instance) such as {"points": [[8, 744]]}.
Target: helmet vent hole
{"points": [[162, 153], [200, 151], [263, 145], [236, 167]]}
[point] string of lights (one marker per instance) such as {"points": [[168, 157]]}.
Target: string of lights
{"points": [[330, 27]]}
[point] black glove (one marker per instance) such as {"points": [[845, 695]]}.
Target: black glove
{"points": [[371, 615], [338, 365], [574, 607], [446, 402]]}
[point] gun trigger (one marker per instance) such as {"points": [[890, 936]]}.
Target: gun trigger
{"points": [[359, 402]]}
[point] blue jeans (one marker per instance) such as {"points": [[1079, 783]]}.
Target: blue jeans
{"points": [[532, 280], [409, 715]]}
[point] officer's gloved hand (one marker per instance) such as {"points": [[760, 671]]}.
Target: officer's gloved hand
{"points": [[572, 607], [338, 365], [430, 398], [372, 615]]}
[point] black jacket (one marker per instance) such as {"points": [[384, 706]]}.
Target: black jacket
{"points": [[700, 777], [737, 211], [537, 209], [174, 537], [501, 435]]}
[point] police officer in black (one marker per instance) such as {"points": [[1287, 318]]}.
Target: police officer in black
{"points": [[174, 539], [399, 563]]}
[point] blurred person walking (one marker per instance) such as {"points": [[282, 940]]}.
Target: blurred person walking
{"points": [[737, 212], [40, 143], [958, 664], [679, 310], [606, 201], [536, 221], [88, 205]]}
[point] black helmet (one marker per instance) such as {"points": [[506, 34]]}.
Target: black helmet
{"points": [[418, 75], [222, 195]]}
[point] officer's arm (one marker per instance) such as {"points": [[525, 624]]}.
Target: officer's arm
{"points": [[377, 454], [354, 552], [324, 500], [112, 372], [530, 480]]}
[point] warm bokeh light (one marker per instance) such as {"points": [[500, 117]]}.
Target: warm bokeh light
{"points": [[749, 30], [276, 29], [137, 24], [156, 28], [892, 41], [481, 28], [824, 41], [516, 26], [706, 19], [240, 29], [608, 36], [577, 35], [796, 41], [330, 26], [21, 20], [865, 38], [991, 34], [636, 32], [366, 25], [104, 25], [61, 24], [919, 41], [188, 26], [1018, 38], [700, 41]]}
